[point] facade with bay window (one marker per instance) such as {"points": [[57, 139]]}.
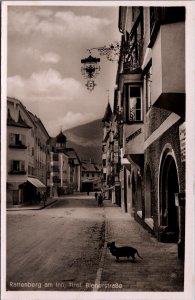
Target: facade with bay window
{"points": [[149, 109]]}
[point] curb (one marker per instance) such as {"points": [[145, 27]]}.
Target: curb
{"points": [[48, 204], [97, 284], [30, 208]]}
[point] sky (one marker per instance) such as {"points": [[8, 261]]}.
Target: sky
{"points": [[45, 45]]}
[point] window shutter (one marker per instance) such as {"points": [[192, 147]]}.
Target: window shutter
{"points": [[10, 165], [22, 165], [23, 139], [12, 138]]}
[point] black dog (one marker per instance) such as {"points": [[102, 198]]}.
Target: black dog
{"points": [[122, 251]]}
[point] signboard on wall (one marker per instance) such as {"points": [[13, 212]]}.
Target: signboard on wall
{"points": [[182, 139]]}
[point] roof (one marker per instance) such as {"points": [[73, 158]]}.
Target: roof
{"points": [[39, 123], [88, 166], [19, 123], [11, 99], [108, 114], [72, 154], [61, 138]]}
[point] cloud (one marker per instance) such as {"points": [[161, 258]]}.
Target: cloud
{"points": [[69, 120], [45, 86], [61, 23], [48, 57]]}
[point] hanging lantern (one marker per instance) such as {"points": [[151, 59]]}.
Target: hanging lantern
{"points": [[90, 68]]}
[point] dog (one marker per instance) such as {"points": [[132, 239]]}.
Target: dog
{"points": [[125, 251]]}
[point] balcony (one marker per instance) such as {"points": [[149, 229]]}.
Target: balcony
{"points": [[132, 47], [17, 172], [18, 145]]}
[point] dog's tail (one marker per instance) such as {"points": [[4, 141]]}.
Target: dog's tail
{"points": [[139, 255]]}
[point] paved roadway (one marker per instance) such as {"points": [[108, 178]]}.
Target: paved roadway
{"points": [[61, 248], [57, 248]]}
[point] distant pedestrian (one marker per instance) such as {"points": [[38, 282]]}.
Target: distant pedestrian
{"points": [[100, 200], [96, 196]]}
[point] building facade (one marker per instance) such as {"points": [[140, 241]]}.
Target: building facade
{"points": [[90, 176], [149, 117], [24, 180], [64, 167]]}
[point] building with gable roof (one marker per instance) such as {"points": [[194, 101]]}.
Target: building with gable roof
{"points": [[90, 176], [26, 159]]}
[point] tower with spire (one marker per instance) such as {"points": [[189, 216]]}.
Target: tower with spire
{"points": [[107, 119], [106, 168], [61, 141]]}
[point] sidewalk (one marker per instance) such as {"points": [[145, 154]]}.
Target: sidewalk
{"points": [[33, 206], [50, 201], [160, 269]]}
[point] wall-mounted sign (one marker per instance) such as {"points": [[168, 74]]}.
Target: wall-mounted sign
{"points": [[182, 139], [132, 136]]}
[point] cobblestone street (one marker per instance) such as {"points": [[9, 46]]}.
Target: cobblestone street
{"points": [[160, 269], [67, 250]]}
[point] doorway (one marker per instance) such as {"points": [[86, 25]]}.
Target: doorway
{"points": [[168, 209]]}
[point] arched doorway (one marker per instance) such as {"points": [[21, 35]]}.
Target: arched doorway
{"points": [[148, 194], [168, 210]]}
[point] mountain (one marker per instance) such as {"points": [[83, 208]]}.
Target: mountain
{"points": [[86, 139]]}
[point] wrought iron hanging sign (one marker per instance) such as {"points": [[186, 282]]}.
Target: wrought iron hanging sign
{"points": [[90, 66], [90, 69], [111, 52]]}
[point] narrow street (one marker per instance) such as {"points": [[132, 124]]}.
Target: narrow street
{"points": [[63, 248]]}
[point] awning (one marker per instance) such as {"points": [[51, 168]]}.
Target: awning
{"points": [[36, 182]]}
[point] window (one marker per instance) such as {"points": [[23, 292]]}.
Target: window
{"points": [[55, 157], [17, 167], [135, 103], [17, 140]]}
